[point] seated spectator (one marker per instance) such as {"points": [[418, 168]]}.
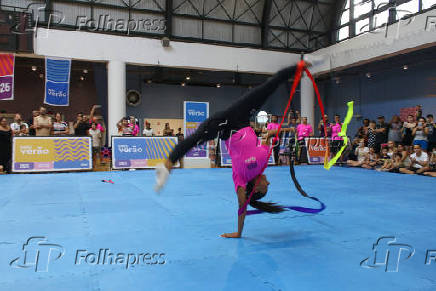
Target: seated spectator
{"points": [[16, 125], [179, 135], [31, 123], [431, 133], [418, 161], [393, 165], [134, 124], [371, 132], [96, 135], [395, 127], [81, 126], [5, 144], [391, 148], [371, 159], [408, 126], [431, 169], [361, 153], [43, 124], [420, 133], [384, 161], [124, 127], [148, 131], [60, 127], [167, 130]]}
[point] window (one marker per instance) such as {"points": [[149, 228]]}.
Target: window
{"points": [[362, 8], [407, 8], [428, 3], [380, 3], [343, 33], [345, 18], [362, 26], [380, 19]]}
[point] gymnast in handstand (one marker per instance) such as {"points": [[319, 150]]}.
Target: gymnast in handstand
{"points": [[248, 156]]}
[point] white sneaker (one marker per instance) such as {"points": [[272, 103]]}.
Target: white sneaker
{"points": [[162, 174]]}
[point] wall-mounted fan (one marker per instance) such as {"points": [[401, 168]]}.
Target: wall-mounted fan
{"points": [[133, 98]]}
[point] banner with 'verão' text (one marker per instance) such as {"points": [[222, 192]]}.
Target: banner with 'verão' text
{"points": [[57, 81]]}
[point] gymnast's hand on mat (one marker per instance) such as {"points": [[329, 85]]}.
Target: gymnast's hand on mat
{"points": [[162, 173], [231, 235]]}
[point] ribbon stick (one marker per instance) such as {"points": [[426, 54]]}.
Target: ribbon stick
{"points": [[343, 134]]}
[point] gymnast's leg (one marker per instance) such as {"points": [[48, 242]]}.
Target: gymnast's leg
{"points": [[234, 118]]}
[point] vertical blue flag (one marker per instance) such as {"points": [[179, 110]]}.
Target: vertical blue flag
{"points": [[57, 81]]}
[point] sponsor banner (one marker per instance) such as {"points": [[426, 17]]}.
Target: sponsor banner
{"points": [[226, 159], [42, 154], [7, 63], [140, 152], [316, 148], [194, 114], [57, 81]]}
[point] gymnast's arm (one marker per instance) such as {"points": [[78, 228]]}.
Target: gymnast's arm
{"points": [[241, 218]]}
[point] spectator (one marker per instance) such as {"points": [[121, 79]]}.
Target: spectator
{"points": [[381, 133], [179, 135], [31, 122], [167, 130], [384, 160], [134, 125], [43, 124], [24, 131], [361, 153], [292, 124], [321, 126], [6, 134], [92, 119], [395, 129], [273, 125], [371, 159], [60, 127], [408, 126], [124, 127], [371, 133], [431, 169], [418, 161], [304, 130], [96, 135], [431, 135], [393, 164], [335, 129], [418, 113], [148, 131], [16, 126], [81, 126], [362, 132], [420, 133], [391, 148]]}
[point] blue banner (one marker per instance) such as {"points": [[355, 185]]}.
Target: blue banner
{"points": [[194, 114], [140, 152], [226, 159], [57, 82]]}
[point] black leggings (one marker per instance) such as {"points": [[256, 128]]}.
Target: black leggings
{"points": [[235, 117]]}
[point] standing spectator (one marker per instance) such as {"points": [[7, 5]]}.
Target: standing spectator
{"points": [[335, 129], [179, 135], [273, 125], [381, 133], [418, 113], [43, 124], [16, 125], [362, 132], [134, 125], [431, 126], [418, 161], [5, 144], [124, 127], [321, 126], [31, 122], [60, 127], [148, 131], [371, 133], [81, 127], [95, 133], [362, 154], [395, 129], [304, 130], [92, 119], [420, 133], [24, 131], [408, 126], [167, 130]]}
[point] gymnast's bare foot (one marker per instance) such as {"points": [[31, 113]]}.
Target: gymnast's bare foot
{"points": [[162, 174], [231, 235]]}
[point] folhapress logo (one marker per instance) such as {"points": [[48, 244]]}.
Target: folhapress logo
{"points": [[38, 254], [387, 253], [192, 112]]}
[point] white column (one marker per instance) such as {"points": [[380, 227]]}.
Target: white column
{"points": [[116, 71], [307, 100]]}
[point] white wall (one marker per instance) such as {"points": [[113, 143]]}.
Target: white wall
{"points": [[403, 35], [146, 51]]}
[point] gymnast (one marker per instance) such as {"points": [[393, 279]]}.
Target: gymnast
{"points": [[248, 157]]}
